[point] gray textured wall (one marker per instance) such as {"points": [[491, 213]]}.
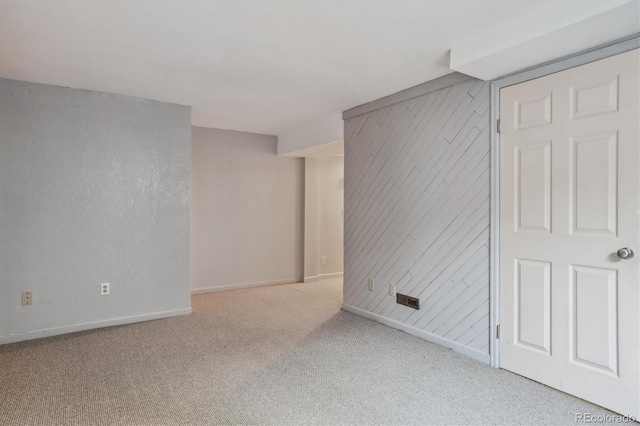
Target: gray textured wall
{"points": [[417, 213], [247, 216], [94, 188]]}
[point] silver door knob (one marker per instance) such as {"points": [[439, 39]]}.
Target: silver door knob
{"points": [[625, 253]]}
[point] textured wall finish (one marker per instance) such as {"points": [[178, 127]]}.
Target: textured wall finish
{"points": [[93, 188], [247, 211], [417, 214]]}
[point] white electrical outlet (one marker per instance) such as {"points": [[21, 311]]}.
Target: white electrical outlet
{"points": [[323, 260], [104, 289], [27, 298], [392, 289], [371, 284]]}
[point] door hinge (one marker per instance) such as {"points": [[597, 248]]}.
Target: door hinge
{"points": [[497, 332], [498, 126]]}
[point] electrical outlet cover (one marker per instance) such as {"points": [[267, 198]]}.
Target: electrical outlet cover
{"points": [[27, 298]]}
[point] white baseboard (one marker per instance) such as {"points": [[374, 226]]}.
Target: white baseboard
{"points": [[244, 285], [464, 350], [311, 279], [73, 328], [332, 275]]}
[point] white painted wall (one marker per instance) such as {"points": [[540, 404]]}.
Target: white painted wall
{"points": [[417, 213], [330, 219], [311, 227], [247, 211], [94, 188]]}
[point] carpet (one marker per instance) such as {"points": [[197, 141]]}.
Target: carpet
{"points": [[278, 355]]}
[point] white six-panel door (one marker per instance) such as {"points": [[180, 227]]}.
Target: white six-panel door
{"points": [[570, 199]]}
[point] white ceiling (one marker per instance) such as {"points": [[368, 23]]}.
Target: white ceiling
{"points": [[546, 35], [257, 66]]}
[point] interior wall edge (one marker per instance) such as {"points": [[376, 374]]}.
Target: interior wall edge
{"points": [[74, 328], [331, 275], [244, 285], [457, 347], [410, 93]]}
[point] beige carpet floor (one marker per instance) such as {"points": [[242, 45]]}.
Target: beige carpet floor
{"points": [[273, 355]]}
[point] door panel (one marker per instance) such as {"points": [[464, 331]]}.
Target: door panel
{"points": [[594, 98], [533, 112], [595, 184], [533, 293], [593, 318], [570, 198], [533, 186]]}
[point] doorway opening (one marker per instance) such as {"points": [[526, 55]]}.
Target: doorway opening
{"points": [[324, 212]]}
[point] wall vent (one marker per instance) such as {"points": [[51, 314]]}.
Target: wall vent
{"points": [[412, 302]]}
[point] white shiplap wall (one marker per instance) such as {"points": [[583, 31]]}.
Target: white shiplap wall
{"points": [[417, 215]]}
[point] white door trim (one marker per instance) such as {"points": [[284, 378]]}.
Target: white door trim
{"points": [[580, 58]]}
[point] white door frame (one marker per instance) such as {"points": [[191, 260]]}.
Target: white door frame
{"points": [[580, 58]]}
